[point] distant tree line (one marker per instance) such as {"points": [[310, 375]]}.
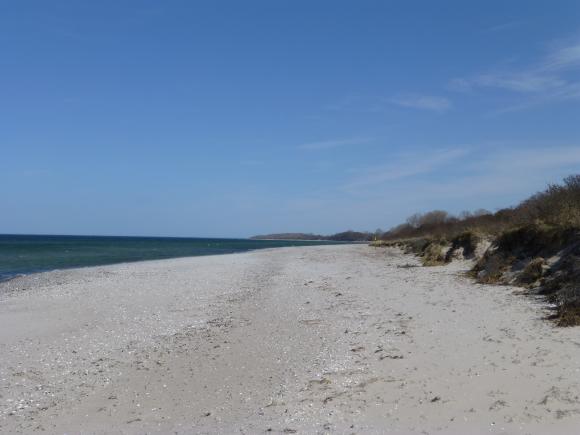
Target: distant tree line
{"points": [[558, 205], [346, 236]]}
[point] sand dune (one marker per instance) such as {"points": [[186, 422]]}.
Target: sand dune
{"points": [[339, 339]]}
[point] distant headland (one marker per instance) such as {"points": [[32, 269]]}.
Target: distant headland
{"points": [[346, 236]]}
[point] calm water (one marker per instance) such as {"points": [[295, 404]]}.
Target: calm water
{"points": [[27, 254]]}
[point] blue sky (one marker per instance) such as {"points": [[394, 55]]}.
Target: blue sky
{"points": [[229, 118]]}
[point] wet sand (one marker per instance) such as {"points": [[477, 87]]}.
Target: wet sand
{"points": [[322, 339]]}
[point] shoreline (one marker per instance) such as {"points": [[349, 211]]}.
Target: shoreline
{"points": [[73, 268], [31, 254], [317, 339], [80, 268]]}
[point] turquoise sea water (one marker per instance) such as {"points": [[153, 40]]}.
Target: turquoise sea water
{"points": [[27, 254]]}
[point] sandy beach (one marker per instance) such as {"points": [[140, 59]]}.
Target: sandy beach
{"points": [[324, 339]]}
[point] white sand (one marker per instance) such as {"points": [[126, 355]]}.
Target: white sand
{"points": [[315, 339]]}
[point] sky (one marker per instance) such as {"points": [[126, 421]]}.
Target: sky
{"points": [[229, 118]]}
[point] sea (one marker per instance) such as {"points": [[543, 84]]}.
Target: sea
{"points": [[25, 254]]}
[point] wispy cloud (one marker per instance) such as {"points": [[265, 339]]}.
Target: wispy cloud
{"points": [[404, 166], [513, 172], [562, 59], [376, 104], [553, 78], [524, 82], [504, 26], [423, 102], [335, 143], [489, 175], [462, 172]]}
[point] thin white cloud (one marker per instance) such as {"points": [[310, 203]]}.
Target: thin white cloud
{"points": [[377, 104], [525, 82], [404, 167], [461, 173], [504, 26], [555, 77], [508, 172], [335, 143], [537, 159], [490, 175], [423, 102], [563, 58]]}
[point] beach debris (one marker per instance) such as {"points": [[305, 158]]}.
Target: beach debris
{"points": [[498, 404], [407, 266], [133, 420], [382, 357], [323, 381], [311, 321]]}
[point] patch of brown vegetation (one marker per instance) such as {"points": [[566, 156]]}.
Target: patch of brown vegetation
{"points": [[568, 315], [434, 253], [533, 271], [464, 245], [491, 268], [535, 244], [518, 257]]}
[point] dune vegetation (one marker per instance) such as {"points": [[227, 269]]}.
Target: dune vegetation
{"points": [[535, 245]]}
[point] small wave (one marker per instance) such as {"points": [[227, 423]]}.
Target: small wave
{"points": [[4, 277]]}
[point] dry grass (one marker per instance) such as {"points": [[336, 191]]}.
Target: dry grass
{"points": [[464, 244], [568, 315], [558, 206], [434, 253], [490, 268], [533, 271], [546, 225]]}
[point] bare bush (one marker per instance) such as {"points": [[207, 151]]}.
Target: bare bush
{"points": [[558, 205]]}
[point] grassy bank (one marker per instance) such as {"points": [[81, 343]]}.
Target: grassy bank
{"points": [[535, 245]]}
